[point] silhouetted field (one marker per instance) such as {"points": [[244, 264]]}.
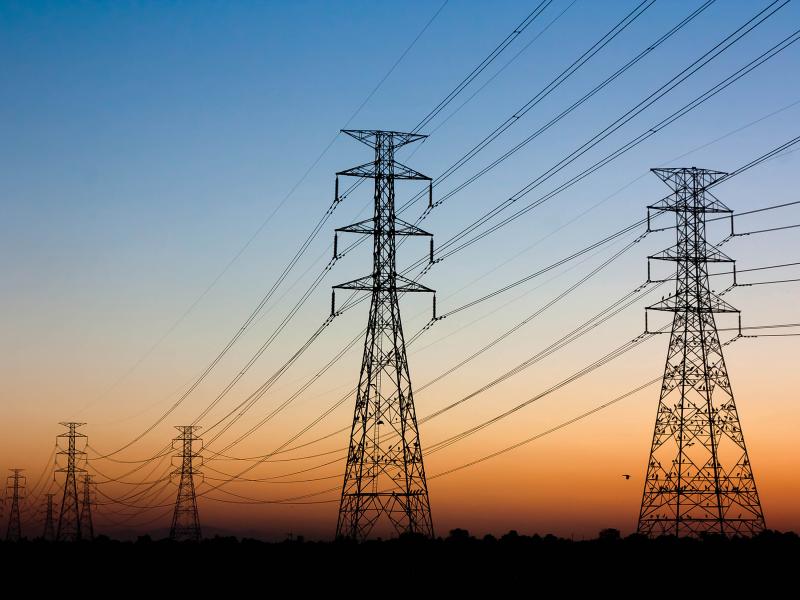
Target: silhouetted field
{"points": [[457, 560]]}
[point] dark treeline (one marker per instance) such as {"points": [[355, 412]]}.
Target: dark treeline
{"points": [[457, 559]]}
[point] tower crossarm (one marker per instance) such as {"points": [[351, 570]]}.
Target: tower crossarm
{"points": [[370, 136], [366, 284], [676, 303], [398, 170], [367, 227], [711, 254]]}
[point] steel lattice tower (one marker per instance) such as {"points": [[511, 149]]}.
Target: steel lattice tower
{"points": [[49, 533], [87, 525], [16, 484], [69, 516], [384, 474], [185, 520], [699, 478]]}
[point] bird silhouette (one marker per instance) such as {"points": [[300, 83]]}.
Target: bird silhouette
{"points": [[627, 476]]}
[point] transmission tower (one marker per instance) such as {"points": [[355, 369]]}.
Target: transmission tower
{"points": [[384, 475], [49, 533], [185, 520], [16, 485], [69, 516], [87, 526], [699, 478]]}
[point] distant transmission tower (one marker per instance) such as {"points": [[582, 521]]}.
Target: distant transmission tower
{"points": [[49, 533], [699, 478], [69, 523], [384, 475], [87, 526], [16, 485], [185, 520]]}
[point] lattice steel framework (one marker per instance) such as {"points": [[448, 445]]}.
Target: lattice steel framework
{"points": [[699, 479], [185, 518], [49, 533], [87, 525], [69, 515], [15, 483], [384, 479]]}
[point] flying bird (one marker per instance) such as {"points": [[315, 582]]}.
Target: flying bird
{"points": [[627, 476]]}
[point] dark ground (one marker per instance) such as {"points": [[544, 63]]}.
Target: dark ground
{"points": [[630, 566]]}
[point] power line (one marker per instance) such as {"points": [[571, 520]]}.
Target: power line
{"points": [[49, 463], [760, 335], [532, 316], [630, 114], [291, 398], [736, 215], [767, 282], [769, 230], [554, 84], [550, 267], [547, 432], [490, 58], [584, 328], [499, 71], [610, 356]]}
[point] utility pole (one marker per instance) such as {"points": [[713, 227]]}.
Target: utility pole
{"points": [[87, 527], [49, 533], [185, 519], [699, 478], [69, 523], [16, 485], [384, 477]]}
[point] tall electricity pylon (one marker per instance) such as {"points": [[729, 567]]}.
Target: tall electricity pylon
{"points": [[87, 525], [384, 474], [16, 485], [699, 478], [49, 533], [185, 520], [69, 516]]}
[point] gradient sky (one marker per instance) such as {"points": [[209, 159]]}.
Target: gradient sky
{"points": [[142, 144]]}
